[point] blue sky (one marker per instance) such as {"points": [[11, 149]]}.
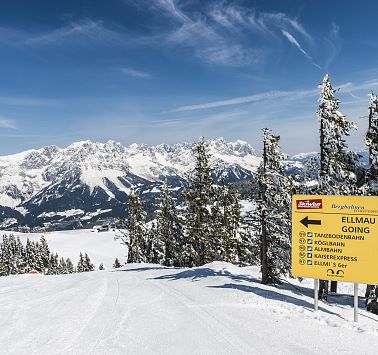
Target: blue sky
{"points": [[154, 71]]}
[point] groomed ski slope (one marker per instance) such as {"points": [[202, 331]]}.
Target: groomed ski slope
{"points": [[148, 309]]}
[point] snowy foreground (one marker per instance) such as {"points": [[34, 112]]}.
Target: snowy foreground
{"points": [[148, 309]]}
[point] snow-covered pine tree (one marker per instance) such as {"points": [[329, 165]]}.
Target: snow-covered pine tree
{"points": [[370, 187], [88, 264], [338, 166], [5, 256], [135, 232], [198, 197], [52, 268], [62, 267], [226, 220], [69, 266], [44, 253], [101, 267], [154, 246], [337, 174], [274, 211], [371, 141], [169, 231], [116, 264], [12, 253], [32, 257], [81, 264]]}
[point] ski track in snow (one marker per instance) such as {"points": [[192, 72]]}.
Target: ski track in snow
{"points": [[148, 309]]}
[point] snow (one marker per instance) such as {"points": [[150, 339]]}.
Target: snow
{"points": [[247, 207], [101, 247], [90, 215], [67, 213], [9, 201], [148, 309]]}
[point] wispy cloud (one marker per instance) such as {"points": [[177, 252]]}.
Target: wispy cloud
{"points": [[345, 88], [212, 118], [135, 73], [294, 41], [269, 95], [334, 43], [224, 34], [7, 123], [85, 29]]}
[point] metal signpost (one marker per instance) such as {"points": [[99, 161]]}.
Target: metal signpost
{"points": [[335, 238]]}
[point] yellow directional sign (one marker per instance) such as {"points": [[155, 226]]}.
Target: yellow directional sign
{"points": [[335, 238]]}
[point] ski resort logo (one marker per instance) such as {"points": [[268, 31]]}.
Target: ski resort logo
{"points": [[309, 204]]}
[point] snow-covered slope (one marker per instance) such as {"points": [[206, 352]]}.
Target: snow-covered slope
{"points": [[148, 309], [87, 177], [102, 247]]}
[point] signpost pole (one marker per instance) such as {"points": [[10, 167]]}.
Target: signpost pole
{"points": [[356, 302], [316, 290]]}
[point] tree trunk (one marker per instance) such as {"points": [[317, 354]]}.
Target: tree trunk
{"points": [[264, 251], [323, 290], [264, 241]]}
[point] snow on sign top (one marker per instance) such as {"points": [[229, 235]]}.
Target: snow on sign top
{"points": [[335, 238]]}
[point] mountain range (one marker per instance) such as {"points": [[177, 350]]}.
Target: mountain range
{"points": [[87, 180]]}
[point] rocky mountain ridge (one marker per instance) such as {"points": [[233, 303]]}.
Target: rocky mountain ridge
{"points": [[86, 179]]}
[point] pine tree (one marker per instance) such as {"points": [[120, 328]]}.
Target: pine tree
{"points": [[88, 266], [274, 212], [226, 221], [154, 246], [32, 258], [370, 187], [69, 266], [371, 141], [62, 267], [52, 268], [198, 198], [44, 253], [135, 236], [81, 264], [169, 231], [116, 264], [101, 267], [338, 166]]}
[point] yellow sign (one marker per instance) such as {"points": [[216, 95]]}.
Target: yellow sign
{"points": [[335, 238]]}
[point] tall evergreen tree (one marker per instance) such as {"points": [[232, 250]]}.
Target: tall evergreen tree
{"points": [[133, 230], [198, 197], [32, 258], [81, 264], [274, 211], [53, 266], [169, 231], [226, 221], [337, 174], [371, 141], [338, 166], [44, 253], [88, 266]]}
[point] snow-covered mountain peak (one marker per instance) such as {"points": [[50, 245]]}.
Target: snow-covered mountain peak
{"points": [[54, 179]]}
